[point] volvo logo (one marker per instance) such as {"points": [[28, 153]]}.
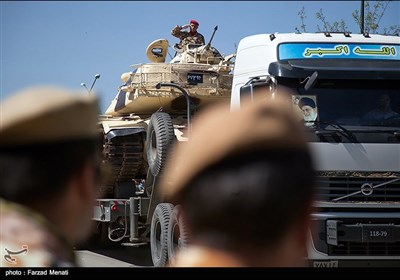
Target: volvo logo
{"points": [[367, 189]]}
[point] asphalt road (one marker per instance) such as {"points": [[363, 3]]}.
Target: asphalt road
{"points": [[118, 256]]}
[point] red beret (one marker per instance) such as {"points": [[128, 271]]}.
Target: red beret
{"points": [[194, 22]]}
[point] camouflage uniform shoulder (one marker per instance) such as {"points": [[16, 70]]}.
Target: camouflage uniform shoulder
{"points": [[200, 39], [29, 240]]}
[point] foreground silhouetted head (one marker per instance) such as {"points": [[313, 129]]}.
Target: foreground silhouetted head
{"points": [[245, 181]]}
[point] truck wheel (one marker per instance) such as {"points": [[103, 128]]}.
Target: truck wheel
{"points": [[160, 136], [178, 235], [159, 234]]}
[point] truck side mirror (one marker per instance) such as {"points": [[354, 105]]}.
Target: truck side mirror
{"points": [[311, 81], [251, 90], [246, 92]]}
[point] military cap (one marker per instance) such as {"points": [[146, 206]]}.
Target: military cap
{"points": [[218, 133], [47, 114]]}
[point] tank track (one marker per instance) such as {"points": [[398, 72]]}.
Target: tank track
{"points": [[123, 156]]}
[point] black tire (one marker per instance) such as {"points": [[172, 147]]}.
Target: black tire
{"points": [[159, 234], [160, 136], [178, 234]]}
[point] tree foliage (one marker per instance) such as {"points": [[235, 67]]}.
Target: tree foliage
{"points": [[373, 13]]}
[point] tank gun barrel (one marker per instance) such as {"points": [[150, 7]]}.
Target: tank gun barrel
{"points": [[212, 36]]}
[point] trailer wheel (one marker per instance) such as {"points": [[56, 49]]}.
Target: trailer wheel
{"points": [[160, 136], [159, 234], [178, 234]]}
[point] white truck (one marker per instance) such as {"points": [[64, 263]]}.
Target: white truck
{"points": [[342, 77]]}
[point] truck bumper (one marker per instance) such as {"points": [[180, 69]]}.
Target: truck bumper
{"points": [[354, 239]]}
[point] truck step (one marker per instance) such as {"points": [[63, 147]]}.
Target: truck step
{"points": [[136, 244]]}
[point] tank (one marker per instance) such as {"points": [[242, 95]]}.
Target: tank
{"points": [[153, 107]]}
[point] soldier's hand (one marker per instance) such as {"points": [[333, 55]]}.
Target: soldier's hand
{"points": [[186, 26]]}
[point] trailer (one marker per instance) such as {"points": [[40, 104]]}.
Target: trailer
{"points": [[151, 112]]}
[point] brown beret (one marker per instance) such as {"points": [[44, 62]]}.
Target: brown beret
{"points": [[218, 133], [47, 114]]}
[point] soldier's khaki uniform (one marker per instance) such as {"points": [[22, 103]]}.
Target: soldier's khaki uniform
{"points": [[29, 240], [186, 37]]}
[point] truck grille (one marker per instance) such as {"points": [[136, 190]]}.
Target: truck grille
{"points": [[334, 188], [365, 249]]}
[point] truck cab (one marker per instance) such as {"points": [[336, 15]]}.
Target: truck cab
{"points": [[348, 88]]}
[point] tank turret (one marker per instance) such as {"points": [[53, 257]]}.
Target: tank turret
{"points": [[200, 69]]}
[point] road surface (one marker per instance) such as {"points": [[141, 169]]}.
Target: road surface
{"points": [[120, 256]]}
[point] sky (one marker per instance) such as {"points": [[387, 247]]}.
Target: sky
{"points": [[67, 43]]}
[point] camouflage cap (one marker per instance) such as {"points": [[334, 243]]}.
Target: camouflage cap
{"points": [[47, 114], [218, 133]]}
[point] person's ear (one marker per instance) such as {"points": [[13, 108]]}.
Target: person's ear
{"points": [[85, 192], [86, 182], [306, 225]]}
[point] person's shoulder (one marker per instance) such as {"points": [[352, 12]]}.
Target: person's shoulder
{"points": [[199, 35], [26, 251], [17, 220], [372, 112]]}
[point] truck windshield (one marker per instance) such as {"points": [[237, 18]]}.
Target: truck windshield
{"points": [[354, 103]]}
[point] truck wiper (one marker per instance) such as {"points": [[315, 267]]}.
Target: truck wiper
{"points": [[345, 132]]}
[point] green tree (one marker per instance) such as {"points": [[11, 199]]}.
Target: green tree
{"points": [[373, 13]]}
